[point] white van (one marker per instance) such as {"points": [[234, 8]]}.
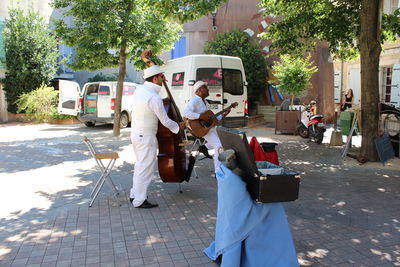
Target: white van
{"points": [[96, 102], [225, 77]]}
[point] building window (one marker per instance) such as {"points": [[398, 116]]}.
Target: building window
{"points": [[389, 6], [386, 84]]}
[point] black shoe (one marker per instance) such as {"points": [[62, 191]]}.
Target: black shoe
{"points": [[131, 199], [147, 205]]}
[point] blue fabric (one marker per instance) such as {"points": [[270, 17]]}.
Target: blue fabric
{"points": [[279, 94], [271, 95], [248, 233]]}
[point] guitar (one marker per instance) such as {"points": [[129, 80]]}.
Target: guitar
{"points": [[201, 127]]}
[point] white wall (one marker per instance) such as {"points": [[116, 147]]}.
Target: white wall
{"points": [[42, 6]]}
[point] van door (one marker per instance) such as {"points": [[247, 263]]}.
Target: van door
{"points": [[105, 93], [234, 89], [68, 97], [90, 93], [208, 69]]}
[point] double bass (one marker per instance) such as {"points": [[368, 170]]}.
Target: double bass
{"points": [[174, 165]]}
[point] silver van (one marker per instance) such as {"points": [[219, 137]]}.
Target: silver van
{"points": [[95, 103]]}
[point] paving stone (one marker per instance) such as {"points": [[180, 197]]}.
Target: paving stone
{"points": [[344, 217]]}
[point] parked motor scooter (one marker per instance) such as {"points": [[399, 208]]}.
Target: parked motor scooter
{"points": [[311, 125]]}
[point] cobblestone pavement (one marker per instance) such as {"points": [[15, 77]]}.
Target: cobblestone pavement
{"points": [[347, 215]]}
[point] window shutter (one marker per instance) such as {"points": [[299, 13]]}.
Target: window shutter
{"points": [[2, 48]]}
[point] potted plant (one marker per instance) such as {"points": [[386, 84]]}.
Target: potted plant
{"points": [[293, 77]]}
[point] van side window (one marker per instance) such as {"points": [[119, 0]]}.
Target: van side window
{"points": [[128, 90], [233, 82], [178, 79], [92, 89], [212, 76], [104, 90]]}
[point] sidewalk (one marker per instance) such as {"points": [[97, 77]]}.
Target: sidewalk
{"points": [[345, 216]]}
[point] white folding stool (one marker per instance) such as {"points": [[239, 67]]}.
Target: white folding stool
{"points": [[105, 171]]}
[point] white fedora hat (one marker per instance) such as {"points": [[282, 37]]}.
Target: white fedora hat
{"points": [[151, 71], [198, 84]]}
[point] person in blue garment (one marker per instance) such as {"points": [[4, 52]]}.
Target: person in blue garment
{"points": [[247, 233]]}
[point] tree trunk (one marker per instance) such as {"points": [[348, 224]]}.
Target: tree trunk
{"points": [[370, 50], [121, 74], [120, 84]]}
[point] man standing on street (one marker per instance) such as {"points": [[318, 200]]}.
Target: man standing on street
{"points": [[195, 109], [147, 110]]}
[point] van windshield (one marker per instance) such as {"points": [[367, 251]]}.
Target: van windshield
{"points": [[229, 79]]}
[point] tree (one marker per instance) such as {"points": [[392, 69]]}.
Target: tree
{"points": [[31, 54], [294, 74], [108, 32], [100, 77], [351, 27], [239, 44]]}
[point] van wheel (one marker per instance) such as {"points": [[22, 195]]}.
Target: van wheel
{"points": [[89, 124], [124, 120]]}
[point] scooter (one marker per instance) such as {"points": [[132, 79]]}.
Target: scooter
{"points": [[310, 125]]}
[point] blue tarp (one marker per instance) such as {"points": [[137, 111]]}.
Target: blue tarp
{"points": [[249, 234]]}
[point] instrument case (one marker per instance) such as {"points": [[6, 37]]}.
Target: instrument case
{"points": [[266, 182]]}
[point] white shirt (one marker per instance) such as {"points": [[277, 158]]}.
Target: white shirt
{"points": [[195, 107], [157, 106]]}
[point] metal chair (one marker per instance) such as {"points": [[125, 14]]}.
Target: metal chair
{"points": [[105, 170]]}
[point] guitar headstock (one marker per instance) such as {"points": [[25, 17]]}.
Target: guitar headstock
{"points": [[234, 105]]}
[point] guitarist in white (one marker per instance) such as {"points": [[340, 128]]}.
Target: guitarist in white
{"points": [[196, 110]]}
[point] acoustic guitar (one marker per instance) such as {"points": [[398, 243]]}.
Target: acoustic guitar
{"points": [[201, 127]]}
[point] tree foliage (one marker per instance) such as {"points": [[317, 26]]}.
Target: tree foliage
{"points": [[184, 10], [100, 77], [107, 32], [303, 22], [101, 28], [294, 74], [39, 104], [239, 44], [31, 54]]}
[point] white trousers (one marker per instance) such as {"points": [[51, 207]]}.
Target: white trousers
{"points": [[213, 142], [145, 149]]}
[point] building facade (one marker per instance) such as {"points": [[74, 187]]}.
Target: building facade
{"points": [[347, 74], [247, 16]]}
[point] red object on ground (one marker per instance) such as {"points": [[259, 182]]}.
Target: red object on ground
{"points": [[260, 155]]}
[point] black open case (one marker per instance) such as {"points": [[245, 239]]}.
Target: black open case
{"points": [[273, 185]]}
